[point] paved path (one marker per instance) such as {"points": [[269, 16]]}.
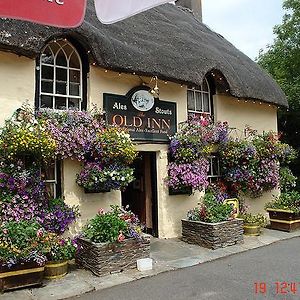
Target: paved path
{"points": [[262, 273]]}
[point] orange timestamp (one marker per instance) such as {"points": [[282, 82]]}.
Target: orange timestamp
{"points": [[281, 287]]}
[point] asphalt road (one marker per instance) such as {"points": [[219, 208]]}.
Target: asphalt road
{"points": [[271, 272]]}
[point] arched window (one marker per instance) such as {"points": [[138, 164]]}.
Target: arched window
{"points": [[198, 99], [60, 85]]}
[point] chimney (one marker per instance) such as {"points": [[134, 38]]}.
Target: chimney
{"points": [[194, 5]]}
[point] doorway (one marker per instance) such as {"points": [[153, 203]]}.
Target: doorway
{"points": [[141, 194]]}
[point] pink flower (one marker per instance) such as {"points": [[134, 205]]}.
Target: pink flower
{"points": [[100, 211], [121, 237], [40, 233], [5, 231]]}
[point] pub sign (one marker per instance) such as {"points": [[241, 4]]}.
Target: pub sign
{"points": [[145, 117]]}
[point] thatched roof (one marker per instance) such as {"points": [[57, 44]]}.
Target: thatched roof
{"points": [[166, 41]]}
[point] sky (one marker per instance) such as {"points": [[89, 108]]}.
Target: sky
{"points": [[247, 24]]}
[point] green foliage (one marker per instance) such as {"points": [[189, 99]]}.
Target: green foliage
{"points": [[210, 210], [105, 227], [57, 248], [258, 219], [287, 180], [288, 201], [21, 241], [282, 58]]}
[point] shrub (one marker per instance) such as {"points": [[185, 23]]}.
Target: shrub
{"points": [[288, 201], [249, 218], [210, 210]]}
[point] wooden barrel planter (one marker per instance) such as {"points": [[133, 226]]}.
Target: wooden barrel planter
{"points": [[285, 220], [56, 269], [251, 229], [106, 258], [213, 235], [20, 276]]}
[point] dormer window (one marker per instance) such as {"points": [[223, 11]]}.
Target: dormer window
{"points": [[198, 99], [60, 77]]}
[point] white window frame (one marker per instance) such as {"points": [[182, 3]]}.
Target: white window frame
{"points": [[68, 68], [202, 92], [53, 181]]}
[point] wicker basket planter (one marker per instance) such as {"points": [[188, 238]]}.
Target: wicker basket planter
{"points": [[213, 235], [19, 276], [56, 269], [106, 258], [284, 220]]}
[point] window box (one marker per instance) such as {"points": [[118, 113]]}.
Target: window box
{"points": [[185, 190], [20, 276], [213, 235], [285, 220]]}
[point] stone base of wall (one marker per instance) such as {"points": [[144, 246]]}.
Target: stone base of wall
{"points": [[106, 258], [213, 235]]}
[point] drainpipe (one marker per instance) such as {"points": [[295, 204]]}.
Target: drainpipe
{"points": [[194, 5]]}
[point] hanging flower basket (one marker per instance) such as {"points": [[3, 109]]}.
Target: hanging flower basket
{"points": [[97, 190], [185, 190]]}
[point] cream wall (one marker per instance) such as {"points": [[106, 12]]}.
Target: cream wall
{"points": [[17, 78], [171, 209], [259, 116], [89, 204]]}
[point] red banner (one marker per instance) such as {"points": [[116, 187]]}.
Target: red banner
{"points": [[58, 13]]}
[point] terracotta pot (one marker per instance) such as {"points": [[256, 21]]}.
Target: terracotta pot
{"points": [[21, 275], [285, 220], [56, 269]]}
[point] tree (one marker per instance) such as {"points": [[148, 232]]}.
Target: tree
{"points": [[282, 61]]}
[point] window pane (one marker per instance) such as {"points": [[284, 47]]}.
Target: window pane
{"points": [[191, 100], [61, 59], [47, 57], [48, 171], [74, 61], [47, 86], [61, 74], [74, 76], [68, 49], [50, 187], [215, 166], [46, 101], [206, 103], [74, 103], [60, 103], [198, 101], [61, 88], [47, 72], [74, 89]]}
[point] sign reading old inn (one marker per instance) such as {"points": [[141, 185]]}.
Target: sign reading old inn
{"points": [[146, 118]]}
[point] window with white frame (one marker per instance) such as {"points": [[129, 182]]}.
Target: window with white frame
{"points": [[214, 171], [198, 99], [60, 83]]}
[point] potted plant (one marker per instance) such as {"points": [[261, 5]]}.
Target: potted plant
{"points": [[253, 223], [284, 211], [21, 254], [211, 224], [112, 242], [58, 252]]}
